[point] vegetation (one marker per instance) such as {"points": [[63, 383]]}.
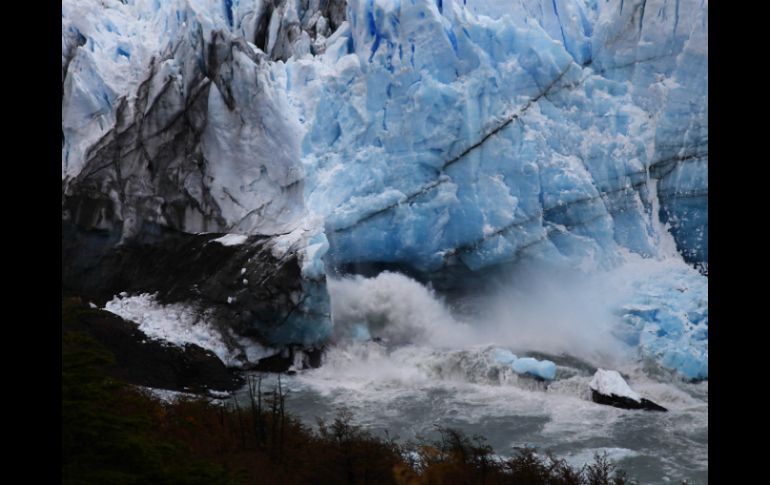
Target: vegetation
{"points": [[114, 433]]}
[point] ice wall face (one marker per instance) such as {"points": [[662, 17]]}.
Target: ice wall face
{"points": [[562, 130], [444, 136], [429, 133], [169, 116], [665, 61], [172, 123]]}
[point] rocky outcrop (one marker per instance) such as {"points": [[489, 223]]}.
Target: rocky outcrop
{"points": [[625, 402], [609, 388], [245, 287], [290, 360], [142, 361]]}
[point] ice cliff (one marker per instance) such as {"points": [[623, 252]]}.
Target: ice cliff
{"points": [[442, 137]]}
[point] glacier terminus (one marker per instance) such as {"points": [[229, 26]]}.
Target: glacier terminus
{"points": [[243, 155]]}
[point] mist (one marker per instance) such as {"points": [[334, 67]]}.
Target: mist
{"points": [[558, 311], [539, 308]]}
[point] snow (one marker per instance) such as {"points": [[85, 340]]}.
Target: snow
{"points": [[167, 395], [180, 324], [231, 239], [219, 394], [610, 383]]}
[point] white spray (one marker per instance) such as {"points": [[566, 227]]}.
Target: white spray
{"points": [[552, 311]]}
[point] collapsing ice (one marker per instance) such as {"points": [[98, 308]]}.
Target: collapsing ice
{"points": [[446, 139]]}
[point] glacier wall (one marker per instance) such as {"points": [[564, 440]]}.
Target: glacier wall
{"points": [[440, 136], [458, 139]]}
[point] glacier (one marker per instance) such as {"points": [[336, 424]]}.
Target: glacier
{"points": [[443, 138]]}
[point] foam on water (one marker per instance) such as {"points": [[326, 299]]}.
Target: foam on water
{"points": [[402, 391], [402, 361]]}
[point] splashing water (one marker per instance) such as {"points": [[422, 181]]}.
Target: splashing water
{"points": [[403, 360]]}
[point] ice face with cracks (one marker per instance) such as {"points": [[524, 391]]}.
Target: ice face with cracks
{"points": [[432, 135]]}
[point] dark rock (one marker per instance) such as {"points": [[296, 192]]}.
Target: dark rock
{"points": [[180, 267], [625, 402], [142, 361], [284, 361], [314, 357]]}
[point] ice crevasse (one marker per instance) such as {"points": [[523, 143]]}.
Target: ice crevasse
{"points": [[447, 137]]}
